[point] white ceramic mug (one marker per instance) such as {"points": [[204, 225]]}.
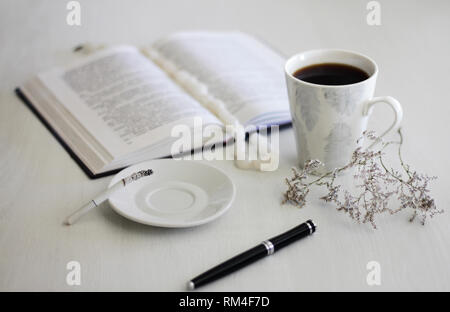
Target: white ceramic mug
{"points": [[329, 119]]}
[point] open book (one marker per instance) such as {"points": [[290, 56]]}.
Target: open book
{"points": [[117, 106]]}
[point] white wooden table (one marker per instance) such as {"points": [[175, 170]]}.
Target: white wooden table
{"points": [[40, 184]]}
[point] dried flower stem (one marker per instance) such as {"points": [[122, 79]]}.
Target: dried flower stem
{"points": [[377, 186]]}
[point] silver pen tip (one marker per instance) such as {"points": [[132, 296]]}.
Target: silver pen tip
{"points": [[191, 285]]}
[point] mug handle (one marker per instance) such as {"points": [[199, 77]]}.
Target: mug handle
{"points": [[396, 107]]}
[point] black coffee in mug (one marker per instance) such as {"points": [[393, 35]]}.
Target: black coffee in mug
{"points": [[331, 74]]}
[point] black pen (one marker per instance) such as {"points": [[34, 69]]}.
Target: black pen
{"points": [[266, 248]]}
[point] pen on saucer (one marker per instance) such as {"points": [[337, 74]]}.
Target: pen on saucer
{"points": [[105, 195], [266, 248]]}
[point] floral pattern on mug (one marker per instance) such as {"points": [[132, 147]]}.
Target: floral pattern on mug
{"points": [[338, 146], [309, 106], [301, 138], [343, 100]]}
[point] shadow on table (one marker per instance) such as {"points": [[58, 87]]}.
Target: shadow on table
{"points": [[117, 220]]}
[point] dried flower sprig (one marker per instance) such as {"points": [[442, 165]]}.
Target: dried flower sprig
{"points": [[377, 186]]}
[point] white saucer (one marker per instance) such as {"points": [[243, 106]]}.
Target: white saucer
{"points": [[179, 193]]}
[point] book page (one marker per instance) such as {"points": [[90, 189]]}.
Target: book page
{"points": [[245, 74], [124, 100]]}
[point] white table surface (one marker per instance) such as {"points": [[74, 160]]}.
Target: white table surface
{"points": [[40, 184]]}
